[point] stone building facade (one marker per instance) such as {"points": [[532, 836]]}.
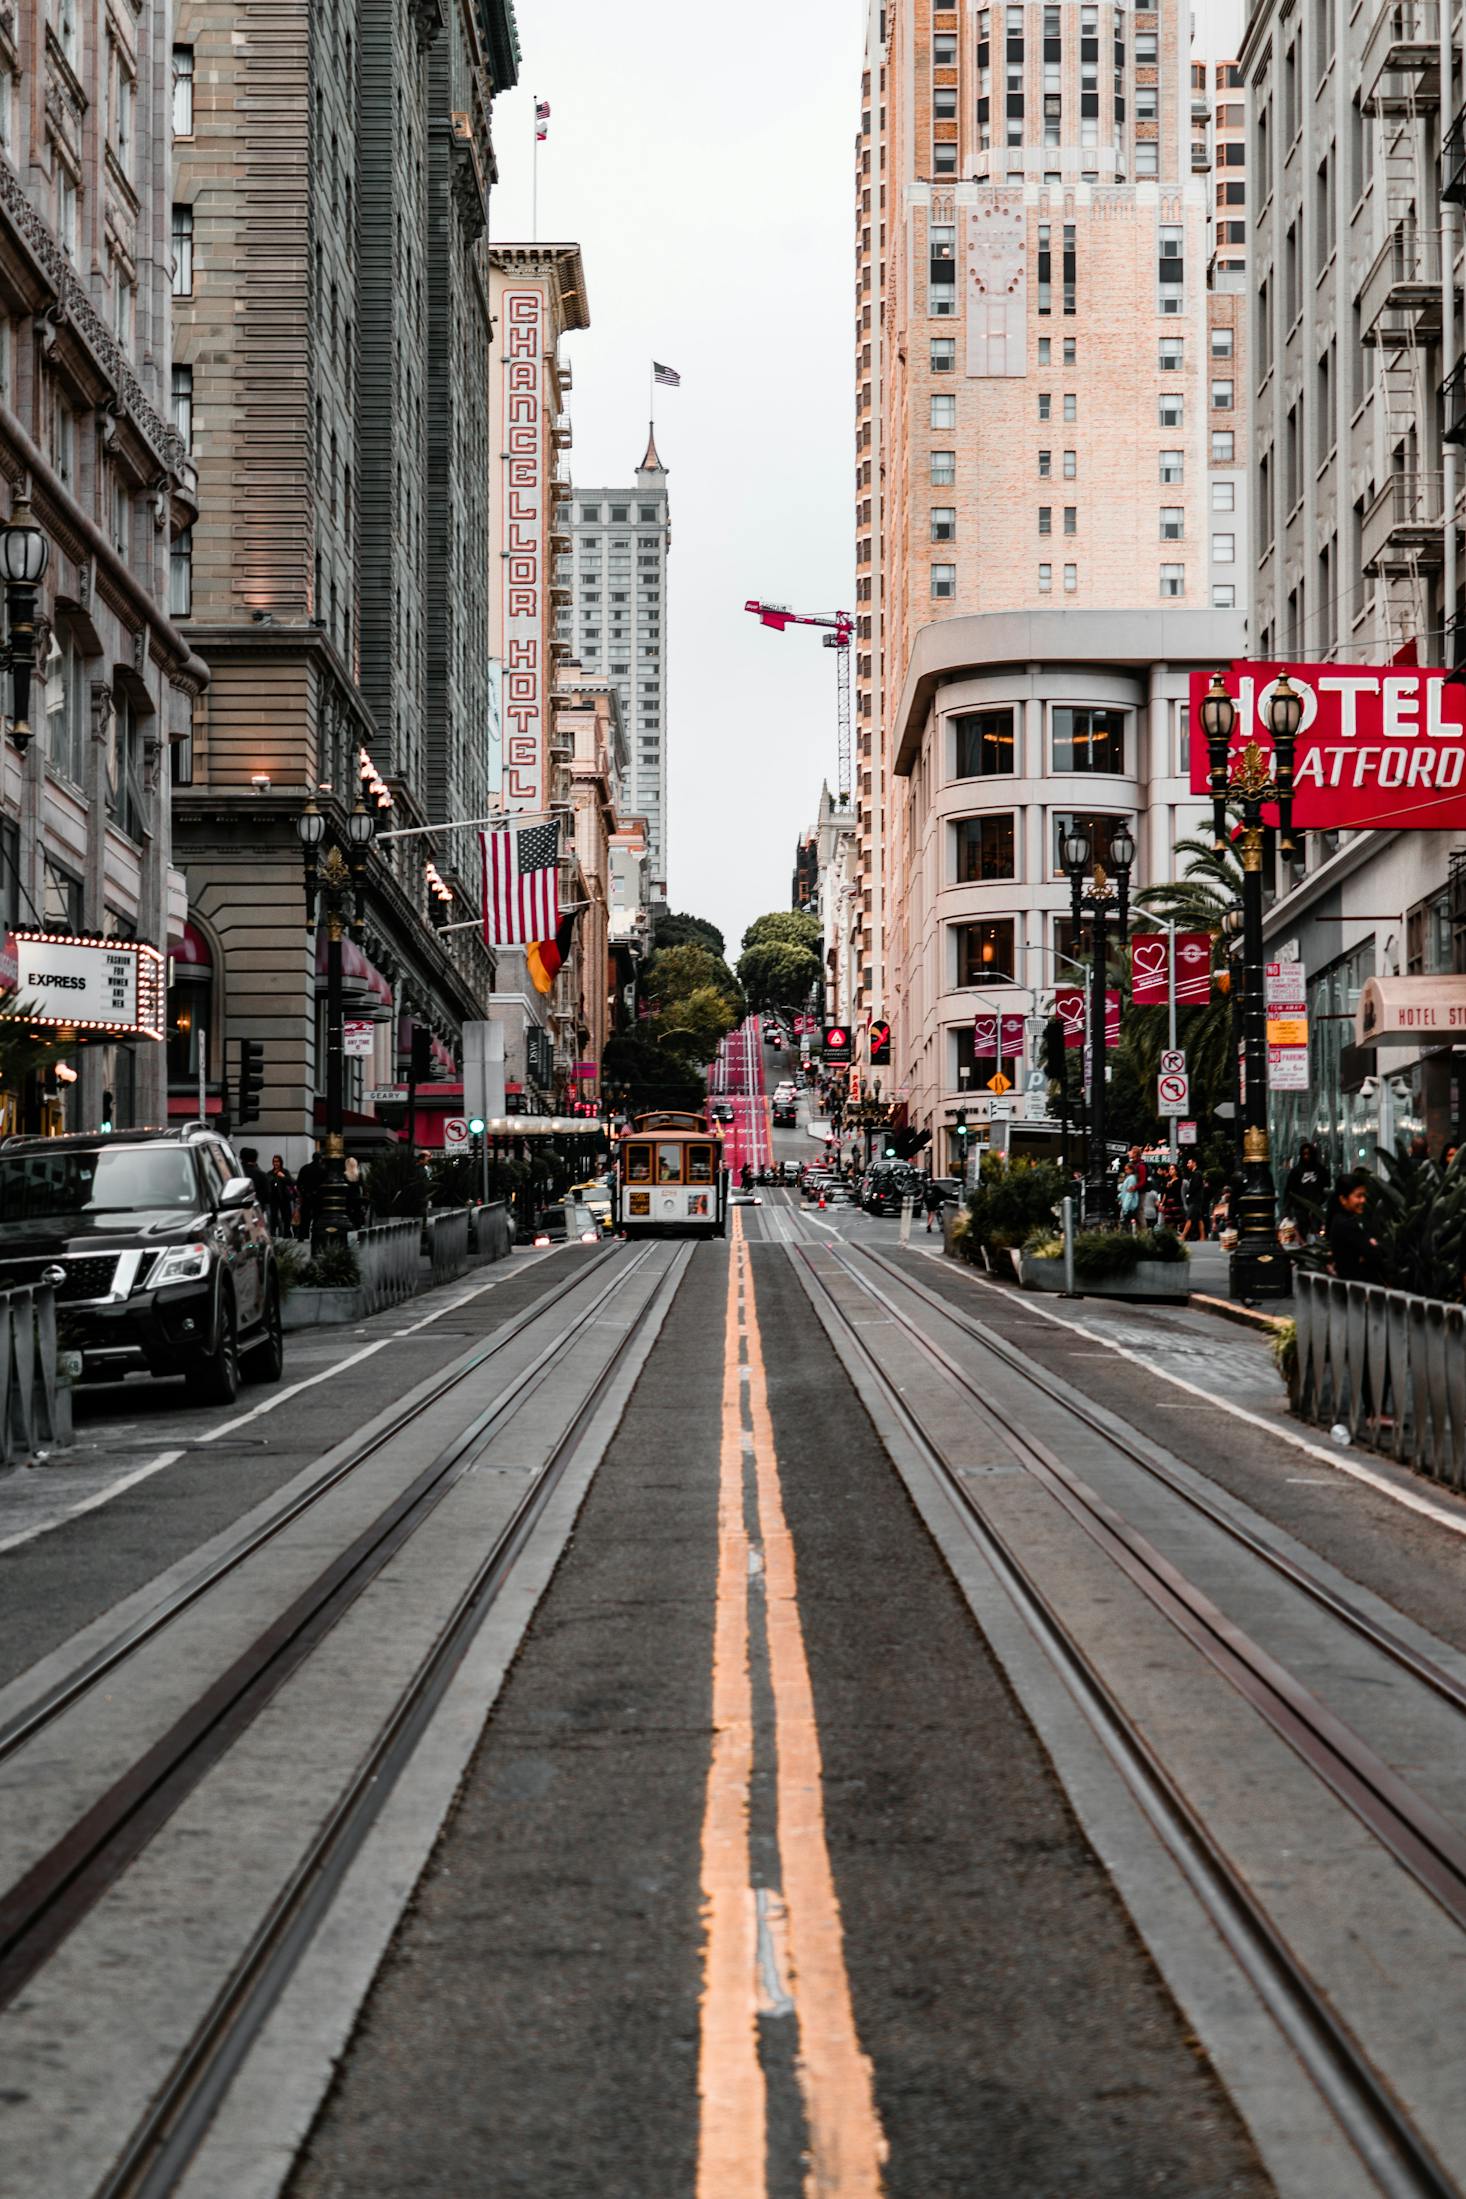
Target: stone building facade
{"points": [[333, 337], [87, 433]]}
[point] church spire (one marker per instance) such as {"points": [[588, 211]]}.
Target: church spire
{"points": [[651, 463]]}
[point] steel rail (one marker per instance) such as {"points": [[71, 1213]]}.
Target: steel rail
{"points": [[25, 1724], [1134, 1447], [40, 1910], [160, 2150], [1393, 2150], [1431, 1848]]}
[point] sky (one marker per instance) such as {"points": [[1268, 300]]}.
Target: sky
{"points": [[702, 158]]}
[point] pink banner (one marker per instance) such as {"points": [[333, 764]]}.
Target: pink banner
{"points": [[1069, 1007], [1148, 973], [993, 1035]]}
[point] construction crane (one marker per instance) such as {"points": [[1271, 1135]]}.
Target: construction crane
{"points": [[840, 634]]}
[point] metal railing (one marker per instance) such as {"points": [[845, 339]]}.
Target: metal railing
{"points": [[1404, 40], [1387, 1365], [388, 1255], [1402, 525], [1403, 278], [34, 1410], [445, 1240]]}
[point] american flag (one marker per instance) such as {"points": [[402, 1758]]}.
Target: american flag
{"points": [[521, 884], [541, 120], [667, 376]]}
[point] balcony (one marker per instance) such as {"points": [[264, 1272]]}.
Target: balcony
{"points": [[1400, 72], [1453, 406], [1400, 296], [1453, 161], [560, 431], [1402, 530]]}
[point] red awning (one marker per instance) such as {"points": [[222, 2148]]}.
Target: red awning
{"points": [[194, 949]]}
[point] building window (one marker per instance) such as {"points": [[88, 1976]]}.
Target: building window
{"points": [[1223, 496], [183, 404], [983, 744], [1087, 739], [984, 850], [944, 50], [66, 28], [1147, 162], [1224, 597], [944, 411], [1046, 519], [1046, 580], [1172, 354], [1045, 269], [620, 516], [180, 575], [1172, 409], [1045, 351], [944, 160], [1100, 827], [1223, 549], [1071, 465], [944, 581], [1173, 522], [943, 468], [1071, 519], [985, 952], [1045, 405], [1071, 405], [1071, 579], [1173, 466], [1223, 445], [944, 523], [67, 702], [1045, 464], [66, 207], [1221, 343], [1221, 396], [182, 251], [944, 354], [590, 514], [1173, 580]]}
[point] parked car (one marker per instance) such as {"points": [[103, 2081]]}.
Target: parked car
{"points": [[159, 1250], [567, 1220]]}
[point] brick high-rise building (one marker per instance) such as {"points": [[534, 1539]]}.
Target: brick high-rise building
{"points": [[1034, 512]]}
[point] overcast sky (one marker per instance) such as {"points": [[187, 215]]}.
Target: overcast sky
{"points": [[702, 159]]}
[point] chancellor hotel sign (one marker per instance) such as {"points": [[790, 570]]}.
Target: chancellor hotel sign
{"points": [[1379, 745], [111, 985]]}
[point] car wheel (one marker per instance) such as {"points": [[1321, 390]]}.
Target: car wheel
{"points": [[264, 1360], [215, 1380]]}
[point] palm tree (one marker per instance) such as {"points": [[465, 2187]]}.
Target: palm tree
{"points": [[1197, 901]]}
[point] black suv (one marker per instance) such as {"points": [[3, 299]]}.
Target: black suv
{"points": [[158, 1249]]}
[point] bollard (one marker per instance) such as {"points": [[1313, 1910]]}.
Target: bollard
{"points": [[908, 1208], [1066, 1209]]}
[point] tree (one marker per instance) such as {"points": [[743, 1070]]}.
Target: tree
{"points": [[788, 925], [654, 1074], [778, 974], [674, 972], [695, 1023], [675, 929]]}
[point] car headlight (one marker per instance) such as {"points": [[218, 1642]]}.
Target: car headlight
{"points": [[183, 1264]]}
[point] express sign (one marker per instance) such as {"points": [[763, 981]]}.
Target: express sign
{"points": [[1378, 745]]}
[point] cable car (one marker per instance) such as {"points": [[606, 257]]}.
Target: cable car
{"points": [[669, 1178]]}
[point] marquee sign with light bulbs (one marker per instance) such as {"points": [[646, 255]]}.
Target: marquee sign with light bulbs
{"points": [[114, 985]]}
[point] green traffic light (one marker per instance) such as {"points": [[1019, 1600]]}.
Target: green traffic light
{"points": [[476, 1125]]}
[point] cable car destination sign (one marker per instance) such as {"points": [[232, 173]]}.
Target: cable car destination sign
{"points": [[1379, 744]]}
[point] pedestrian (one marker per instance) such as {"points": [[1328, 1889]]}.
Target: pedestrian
{"points": [[282, 1197], [249, 1161], [1305, 1194], [1416, 1154], [1173, 1200], [1448, 1156], [1129, 1196], [308, 1185], [931, 1199], [1354, 1254], [355, 1193], [1194, 1200]]}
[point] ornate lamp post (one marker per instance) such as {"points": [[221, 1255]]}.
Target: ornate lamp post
{"points": [[1258, 1268], [1097, 900], [24, 556], [337, 882]]}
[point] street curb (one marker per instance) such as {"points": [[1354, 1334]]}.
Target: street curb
{"points": [[1246, 1316]]}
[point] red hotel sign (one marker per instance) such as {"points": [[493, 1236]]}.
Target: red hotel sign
{"points": [[522, 349], [1380, 744]]}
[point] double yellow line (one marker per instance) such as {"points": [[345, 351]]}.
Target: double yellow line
{"points": [[804, 1938]]}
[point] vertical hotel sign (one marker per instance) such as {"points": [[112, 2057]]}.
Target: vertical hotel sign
{"points": [[523, 341]]}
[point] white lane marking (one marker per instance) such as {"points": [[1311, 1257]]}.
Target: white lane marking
{"points": [[211, 1435], [1339, 1461]]}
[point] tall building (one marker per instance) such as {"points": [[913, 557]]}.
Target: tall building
{"points": [[1036, 554], [87, 433], [331, 171], [1357, 155], [617, 624]]}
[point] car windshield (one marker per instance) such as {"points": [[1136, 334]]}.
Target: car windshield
{"points": [[115, 1180]]}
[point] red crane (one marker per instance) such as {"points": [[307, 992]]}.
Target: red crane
{"points": [[840, 633]]}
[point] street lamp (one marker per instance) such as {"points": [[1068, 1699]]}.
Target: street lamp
{"points": [[1098, 899], [1258, 1269], [24, 556], [338, 882]]}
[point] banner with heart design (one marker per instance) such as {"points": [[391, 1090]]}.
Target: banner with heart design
{"points": [[1069, 1007], [993, 1035], [1148, 973]]}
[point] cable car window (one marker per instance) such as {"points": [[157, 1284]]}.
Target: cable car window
{"points": [[669, 1164], [699, 1164], [639, 1164]]}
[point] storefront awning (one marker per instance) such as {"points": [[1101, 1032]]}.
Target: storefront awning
{"points": [[1425, 1011]]}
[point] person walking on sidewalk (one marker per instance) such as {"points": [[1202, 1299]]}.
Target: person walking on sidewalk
{"points": [[931, 1199]]}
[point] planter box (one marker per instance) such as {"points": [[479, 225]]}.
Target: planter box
{"points": [[1168, 1280], [308, 1309]]}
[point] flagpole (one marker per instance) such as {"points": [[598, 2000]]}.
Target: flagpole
{"points": [[534, 218]]}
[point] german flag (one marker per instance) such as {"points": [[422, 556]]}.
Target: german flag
{"points": [[545, 956]]}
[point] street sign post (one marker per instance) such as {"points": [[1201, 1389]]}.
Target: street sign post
{"points": [[1173, 1093], [457, 1136], [1173, 1062], [1186, 1133]]}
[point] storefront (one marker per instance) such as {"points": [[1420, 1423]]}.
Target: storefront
{"points": [[62, 994]]}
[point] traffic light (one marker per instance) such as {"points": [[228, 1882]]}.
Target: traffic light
{"points": [[251, 1079], [422, 1054], [108, 1105], [959, 1124], [476, 1126], [880, 1044]]}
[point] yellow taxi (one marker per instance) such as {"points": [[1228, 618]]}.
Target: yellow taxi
{"points": [[597, 1196]]}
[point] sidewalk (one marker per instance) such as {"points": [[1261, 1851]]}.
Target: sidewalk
{"points": [[1210, 1278]]}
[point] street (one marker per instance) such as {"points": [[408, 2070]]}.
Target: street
{"points": [[735, 1718]]}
